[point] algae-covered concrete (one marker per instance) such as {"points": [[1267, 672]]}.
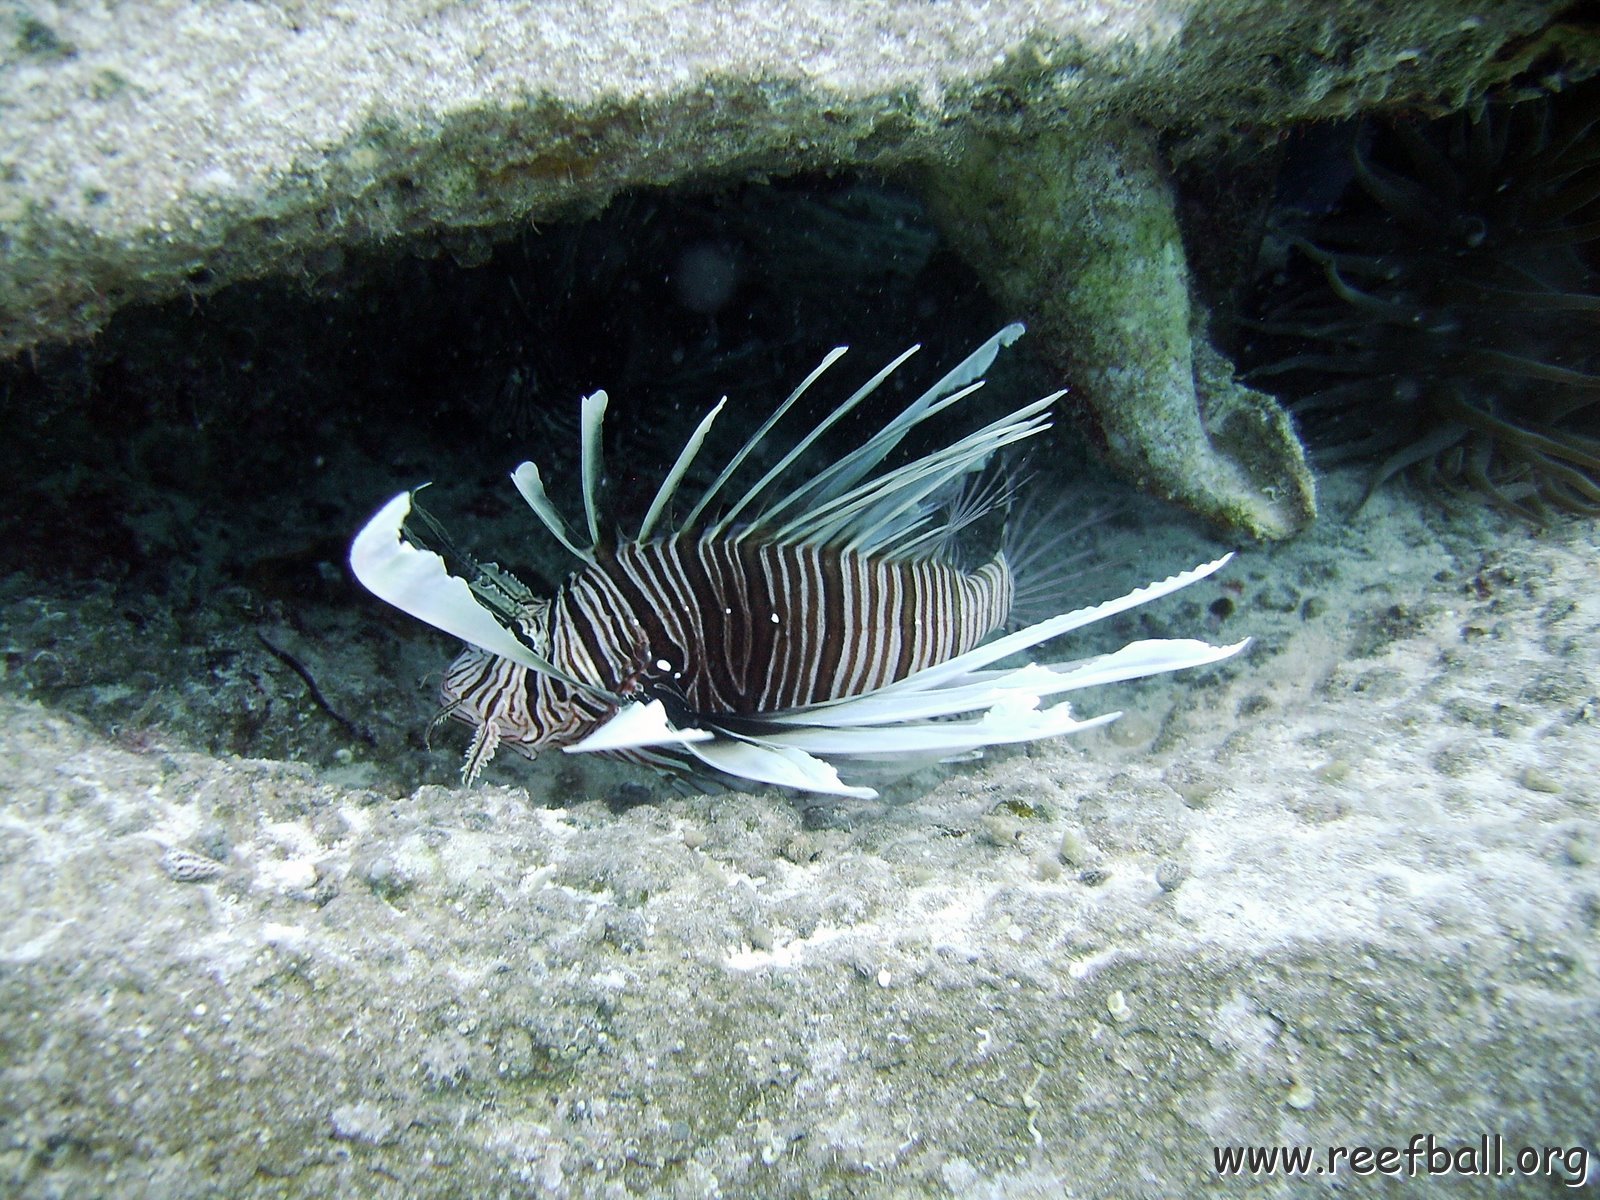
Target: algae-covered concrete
{"points": [[153, 149], [1079, 233]]}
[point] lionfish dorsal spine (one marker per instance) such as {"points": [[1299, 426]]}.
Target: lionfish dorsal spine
{"points": [[956, 385], [769, 511], [530, 486], [863, 517], [593, 420], [756, 438], [680, 468]]}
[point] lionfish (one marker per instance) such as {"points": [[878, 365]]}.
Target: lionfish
{"points": [[818, 621]]}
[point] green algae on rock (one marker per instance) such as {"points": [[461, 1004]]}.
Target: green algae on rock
{"points": [[1080, 234]]}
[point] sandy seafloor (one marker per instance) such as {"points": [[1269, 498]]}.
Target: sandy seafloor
{"points": [[1340, 891]]}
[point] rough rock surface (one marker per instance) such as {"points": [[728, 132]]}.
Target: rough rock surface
{"points": [[164, 147], [1342, 891], [1081, 236]]}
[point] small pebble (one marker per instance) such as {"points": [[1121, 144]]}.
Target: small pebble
{"points": [[999, 829], [1336, 771], [1119, 1008], [1075, 849], [1581, 848], [361, 1122], [1536, 780], [800, 848], [1170, 875], [1300, 1096], [384, 876], [185, 866]]}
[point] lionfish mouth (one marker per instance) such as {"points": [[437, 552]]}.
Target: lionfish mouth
{"points": [[817, 624]]}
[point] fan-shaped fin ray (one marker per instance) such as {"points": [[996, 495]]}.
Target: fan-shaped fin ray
{"points": [[637, 725], [530, 486], [785, 766], [1014, 718], [418, 582]]}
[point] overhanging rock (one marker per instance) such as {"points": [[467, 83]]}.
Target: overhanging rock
{"points": [[180, 147]]}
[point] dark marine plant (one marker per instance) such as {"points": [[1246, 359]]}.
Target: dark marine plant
{"points": [[1444, 316]]}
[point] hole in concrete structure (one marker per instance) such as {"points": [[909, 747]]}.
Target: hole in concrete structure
{"points": [[182, 490]]}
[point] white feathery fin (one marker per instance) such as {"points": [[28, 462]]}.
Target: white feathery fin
{"points": [[640, 725], [984, 689], [484, 743], [637, 725], [1007, 719], [1043, 631], [755, 439], [805, 443], [417, 581], [593, 418], [786, 766], [853, 467], [531, 487], [669, 485], [865, 513]]}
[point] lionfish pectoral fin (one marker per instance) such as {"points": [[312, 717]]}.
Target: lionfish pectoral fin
{"points": [[1014, 718], [418, 582], [639, 726], [1043, 631], [914, 718], [1136, 660], [635, 727], [785, 766]]}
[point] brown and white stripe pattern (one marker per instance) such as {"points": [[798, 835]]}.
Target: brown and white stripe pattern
{"points": [[731, 628], [741, 628]]}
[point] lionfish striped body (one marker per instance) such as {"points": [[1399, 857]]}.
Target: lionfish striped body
{"points": [[823, 624], [729, 627]]}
